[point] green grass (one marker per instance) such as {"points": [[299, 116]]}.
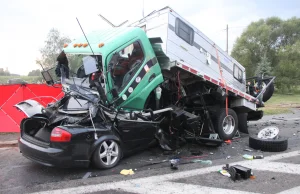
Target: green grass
{"points": [[28, 79], [280, 104]]}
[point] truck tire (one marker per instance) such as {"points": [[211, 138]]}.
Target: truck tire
{"points": [[268, 145], [269, 91], [242, 119], [226, 126]]}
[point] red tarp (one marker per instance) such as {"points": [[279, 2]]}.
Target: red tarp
{"points": [[10, 95]]}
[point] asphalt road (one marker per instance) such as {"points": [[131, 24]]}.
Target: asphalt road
{"points": [[19, 175]]}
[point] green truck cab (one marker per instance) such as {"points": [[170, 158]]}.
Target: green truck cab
{"points": [[128, 63]]}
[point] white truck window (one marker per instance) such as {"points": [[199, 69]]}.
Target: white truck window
{"points": [[238, 73], [184, 31]]}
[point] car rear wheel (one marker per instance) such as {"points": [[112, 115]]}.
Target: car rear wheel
{"points": [[107, 154]]}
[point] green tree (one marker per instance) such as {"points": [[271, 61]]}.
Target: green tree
{"points": [[36, 72], [263, 67], [53, 46], [265, 37], [288, 69]]}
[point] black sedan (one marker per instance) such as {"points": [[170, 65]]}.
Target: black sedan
{"points": [[61, 135]]}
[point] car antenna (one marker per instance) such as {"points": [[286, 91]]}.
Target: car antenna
{"points": [[86, 38]]}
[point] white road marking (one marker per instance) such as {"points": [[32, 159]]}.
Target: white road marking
{"points": [[295, 190], [86, 175], [276, 120], [161, 184]]}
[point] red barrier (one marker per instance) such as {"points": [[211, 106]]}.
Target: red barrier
{"points": [[10, 95]]}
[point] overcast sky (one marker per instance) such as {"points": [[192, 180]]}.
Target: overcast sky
{"points": [[24, 24]]}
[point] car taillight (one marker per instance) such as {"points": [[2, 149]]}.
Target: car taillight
{"points": [[60, 135]]}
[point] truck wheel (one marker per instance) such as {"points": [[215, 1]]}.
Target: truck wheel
{"points": [[268, 145], [242, 118], [269, 91], [107, 154], [226, 125]]}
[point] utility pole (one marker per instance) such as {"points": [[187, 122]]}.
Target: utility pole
{"points": [[227, 38], [143, 9]]}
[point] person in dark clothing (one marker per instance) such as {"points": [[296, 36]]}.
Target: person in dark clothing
{"points": [[62, 64]]}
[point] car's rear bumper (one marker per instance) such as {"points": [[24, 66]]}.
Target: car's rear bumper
{"points": [[49, 156]]}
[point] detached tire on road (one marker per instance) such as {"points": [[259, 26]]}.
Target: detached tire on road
{"points": [[268, 145], [226, 126], [242, 118]]}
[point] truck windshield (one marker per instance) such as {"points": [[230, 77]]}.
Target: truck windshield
{"points": [[125, 64]]}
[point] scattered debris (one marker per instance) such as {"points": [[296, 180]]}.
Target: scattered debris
{"points": [[252, 177], [251, 157], [248, 150], [207, 162], [279, 119], [213, 153], [225, 173], [258, 157], [127, 172], [248, 157], [196, 152], [228, 157], [135, 169], [236, 172], [232, 147], [273, 178], [228, 142], [174, 164], [294, 134]]}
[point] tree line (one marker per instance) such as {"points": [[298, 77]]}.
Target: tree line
{"points": [[271, 46]]}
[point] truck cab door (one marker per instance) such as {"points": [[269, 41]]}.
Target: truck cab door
{"points": [[133, 72]]}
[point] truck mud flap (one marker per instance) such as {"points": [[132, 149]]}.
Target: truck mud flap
{"points": [[255, 115]]}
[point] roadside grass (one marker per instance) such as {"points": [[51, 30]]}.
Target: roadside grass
{"points": [[281, 103], [29, 79]]}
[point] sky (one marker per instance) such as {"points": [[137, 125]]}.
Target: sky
{"points": [[24, 25]]}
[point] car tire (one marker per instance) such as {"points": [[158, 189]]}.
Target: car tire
{"points": [[269, 91], [229, 130], [242, 119], [268, 145], [107, 155]]}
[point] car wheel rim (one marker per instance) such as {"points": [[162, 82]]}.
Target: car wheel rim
{"points": [[228, 124], [270, 132], [109, 152]]}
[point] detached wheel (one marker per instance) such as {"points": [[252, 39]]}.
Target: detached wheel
{"points": [[269, 145], [107, 155], [242, 118], [226, 125]]}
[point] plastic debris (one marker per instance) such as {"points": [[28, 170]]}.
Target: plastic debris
{"points": [[233, 147], [248, 157], [258, 157], [252, 177], [228, 142], [211, 153], [294, 134], [127, 172], [225, 173], [248, 150], [228, 157], [174, 164], [207, 162]]}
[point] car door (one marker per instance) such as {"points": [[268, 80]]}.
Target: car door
{"points": [[136, 134]]}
